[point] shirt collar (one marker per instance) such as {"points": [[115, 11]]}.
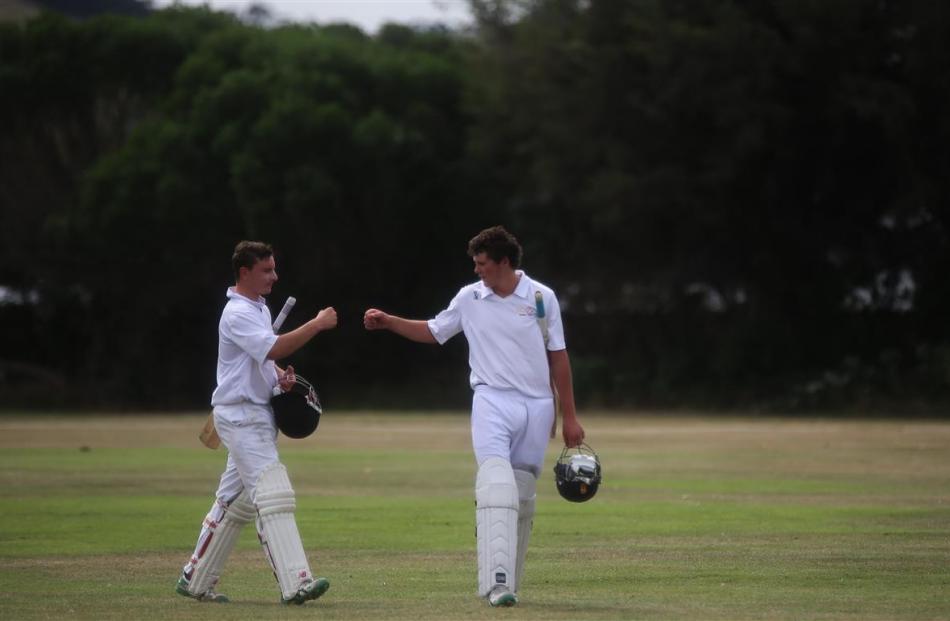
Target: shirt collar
{"points": [[522, 290], [481, 291], [234, 295]]}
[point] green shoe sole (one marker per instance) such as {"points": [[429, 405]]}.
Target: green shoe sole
{"points": [[312, 591], [182, 588], [504, 600]]}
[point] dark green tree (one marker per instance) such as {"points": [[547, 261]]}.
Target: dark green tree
{"points": [[733, 187], [344, 151]]}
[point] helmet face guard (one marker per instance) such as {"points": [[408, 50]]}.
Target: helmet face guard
{"points": [[297, 411], [578, 473]]}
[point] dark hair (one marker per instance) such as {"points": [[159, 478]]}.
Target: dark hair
{"points": [[247, 253], [498, 244]]}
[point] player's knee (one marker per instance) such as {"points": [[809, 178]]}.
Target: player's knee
{"points": [[273, 491], [241, 509], [495, 484]]}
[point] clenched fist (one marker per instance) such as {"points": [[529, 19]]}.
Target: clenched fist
{"points": [[326, 319], [375, 319]]}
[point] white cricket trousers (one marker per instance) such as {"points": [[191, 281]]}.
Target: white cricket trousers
{"points": [[249, 432], [250, 435], [510, 425]]}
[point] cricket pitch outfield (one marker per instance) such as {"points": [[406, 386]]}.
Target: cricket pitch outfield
{"points": [[698, 518]]}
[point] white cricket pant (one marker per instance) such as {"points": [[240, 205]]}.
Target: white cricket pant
{"points": [[507, 424], [250, 435], [249, 432]]}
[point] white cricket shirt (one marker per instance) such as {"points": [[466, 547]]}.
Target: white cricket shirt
{"points": [[505, 344], [245, 337]]}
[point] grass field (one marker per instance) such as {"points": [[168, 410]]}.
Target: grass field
{"points": [[697, 519]]}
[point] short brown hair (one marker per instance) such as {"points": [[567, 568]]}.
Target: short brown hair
{"points": [[498, 244], [247, 253]]}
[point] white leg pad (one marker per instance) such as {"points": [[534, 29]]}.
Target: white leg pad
{"points": [[220, 532], [280, 538], [527, 493], [496, 524]]}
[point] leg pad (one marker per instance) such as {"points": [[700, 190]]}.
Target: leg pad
{"points": [[277, 528], [496, 525], [527, 493], [220, 532]]}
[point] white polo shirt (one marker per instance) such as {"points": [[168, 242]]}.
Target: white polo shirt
{"points": [[506, 347], [245, 337]]}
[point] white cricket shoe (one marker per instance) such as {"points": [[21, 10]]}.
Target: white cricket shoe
{"points": [[208, 596], [308, 590]]}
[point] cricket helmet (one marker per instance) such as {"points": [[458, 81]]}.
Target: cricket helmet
{"points": [[577, 473], [297, 411]]}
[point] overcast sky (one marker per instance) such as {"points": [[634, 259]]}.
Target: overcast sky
{"points": [[367, 14]]}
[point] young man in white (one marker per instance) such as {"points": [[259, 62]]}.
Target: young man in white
{"points": [[254, 484], [513, 364]]}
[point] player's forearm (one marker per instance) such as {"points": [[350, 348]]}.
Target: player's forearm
{"points": [[412, 329], [563, 382], [292, 341]]}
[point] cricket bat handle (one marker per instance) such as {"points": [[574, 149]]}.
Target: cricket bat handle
{"points": [[282, 315], [209, 435]]}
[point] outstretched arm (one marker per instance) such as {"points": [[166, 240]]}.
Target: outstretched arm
{"points": [[292, 341], [413, 329], [571, 429]]}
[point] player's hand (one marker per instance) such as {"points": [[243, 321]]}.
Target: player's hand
{"points": [[287, 379], [573, 432], [375, 319], [326, 319]]}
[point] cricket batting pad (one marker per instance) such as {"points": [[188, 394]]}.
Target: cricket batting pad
{"points": [[527, 486], [280, 538], [221, 529], [496, 524]]}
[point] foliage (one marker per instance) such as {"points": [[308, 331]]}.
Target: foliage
{"points": [[755, 180], [739, 203], [345, 152]]}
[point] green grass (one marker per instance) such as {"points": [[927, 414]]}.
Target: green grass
{"points": [[697, 519]]}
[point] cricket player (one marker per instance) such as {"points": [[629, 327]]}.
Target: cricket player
{"points": [[255, 485], [514, 359]]}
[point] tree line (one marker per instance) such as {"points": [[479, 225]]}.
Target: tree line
{"points": [[741, 204]]}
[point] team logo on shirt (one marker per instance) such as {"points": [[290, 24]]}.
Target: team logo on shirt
{"points": [[526, 311], [477, 295]]}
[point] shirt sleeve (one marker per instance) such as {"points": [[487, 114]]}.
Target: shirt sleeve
{"points": [[448, 323], [247, 333], [555, 328]]}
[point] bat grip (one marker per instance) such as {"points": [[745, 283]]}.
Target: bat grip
{"points": [[282, 315]]}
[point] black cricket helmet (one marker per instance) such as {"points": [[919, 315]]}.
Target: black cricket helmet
{"points": [[577, 473], [297, 411]]}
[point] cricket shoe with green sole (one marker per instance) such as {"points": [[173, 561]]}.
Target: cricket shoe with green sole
{"points": [[307, 591], [208, 596], [500, 596]]}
